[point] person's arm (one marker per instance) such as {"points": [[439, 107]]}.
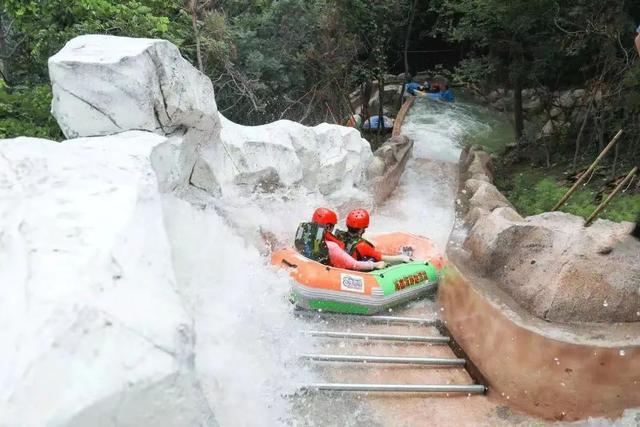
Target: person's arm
{"points": [[395, 259], [367, 251], [638, 41], [341, 259]]}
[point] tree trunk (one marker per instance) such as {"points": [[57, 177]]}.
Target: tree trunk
{"points": [[547, 154], [366, 97], [196, 32], [615, 161], [381, 104], [601, 133], [518, 115], [406, 50], [579, 137], [4, 72]]}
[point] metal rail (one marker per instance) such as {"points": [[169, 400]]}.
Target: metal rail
{"points": [[394, 319], [379, 337], [407, 388], [371, 319], [384, 359]]}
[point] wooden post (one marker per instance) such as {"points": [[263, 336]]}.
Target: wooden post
{"points": [[587, 172], [615, 191]]}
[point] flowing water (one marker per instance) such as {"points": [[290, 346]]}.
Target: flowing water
{"points": [[248, 335], [424, 204]]}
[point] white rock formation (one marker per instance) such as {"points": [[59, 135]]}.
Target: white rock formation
{"points": [[94, 331], [108, 278], [106, 84], [326, 157]]}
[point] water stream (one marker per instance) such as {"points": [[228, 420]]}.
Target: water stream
{"points": [[424, 204], [247, 334]]}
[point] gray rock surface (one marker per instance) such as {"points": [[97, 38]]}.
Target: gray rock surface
{"points": [[559, 270], [550, 264], [387, 166], [106, 84], [93, 326]]}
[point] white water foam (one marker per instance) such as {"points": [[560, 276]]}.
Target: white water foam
{"points": [[246, 334]]}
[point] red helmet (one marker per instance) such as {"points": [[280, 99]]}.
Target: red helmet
{"points": [[324, 216], [358, 218]]}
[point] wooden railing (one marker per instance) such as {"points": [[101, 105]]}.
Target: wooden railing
{"points": [[397, 125]]}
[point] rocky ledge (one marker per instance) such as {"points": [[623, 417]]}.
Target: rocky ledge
{"points": [[550, 264]]}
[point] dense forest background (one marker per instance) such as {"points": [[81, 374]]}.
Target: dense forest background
{"points": [[299, 60]]}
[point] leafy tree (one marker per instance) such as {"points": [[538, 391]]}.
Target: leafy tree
{"points": [[33, 30], [25, 111], [512, 36], [277, 59], [41, 28]]}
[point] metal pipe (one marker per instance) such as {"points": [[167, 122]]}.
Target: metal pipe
{"points": [[379, 337], [372, 319], [394, 319], [384, 359], [411, 388]]}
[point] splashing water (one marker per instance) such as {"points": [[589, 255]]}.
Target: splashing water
{"points": [[424, 202], [246, 334]]}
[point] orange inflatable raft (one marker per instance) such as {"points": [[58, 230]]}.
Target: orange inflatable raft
{"points": [[320, 287]]}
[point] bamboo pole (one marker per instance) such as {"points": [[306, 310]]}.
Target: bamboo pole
{"points": [[615, 191], [587, 172]]}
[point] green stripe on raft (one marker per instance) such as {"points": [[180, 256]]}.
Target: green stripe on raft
{"points": [[390, 279], [338, 307], [398, 284]]}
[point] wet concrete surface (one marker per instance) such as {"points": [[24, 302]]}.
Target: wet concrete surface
{"points": [[556, 372], [396, 409]]}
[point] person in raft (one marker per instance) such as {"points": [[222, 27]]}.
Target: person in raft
{"points": [[316, 241], [359, 248], [411, 87]]}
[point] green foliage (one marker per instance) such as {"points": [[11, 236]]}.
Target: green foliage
{"points": [[25, 112], [512, 38], [41, 28], [290, 58], [267, 59], [37, 29], [532, 194], [374, 26], [474, 70]]}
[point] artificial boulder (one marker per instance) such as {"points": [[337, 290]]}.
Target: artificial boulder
{"points": [[287, 154], [488, 197], [385, 170], [550, 264], [143, 84], [105, 84], [557, 269], [86, 268], [482, 241]]}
